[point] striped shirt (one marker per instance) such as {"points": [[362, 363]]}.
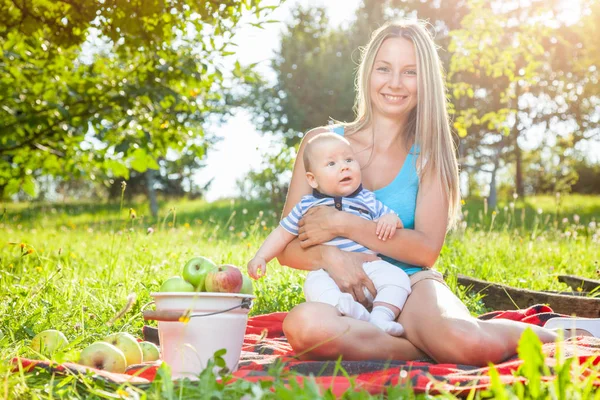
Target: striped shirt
{"points": [[362, 203]]}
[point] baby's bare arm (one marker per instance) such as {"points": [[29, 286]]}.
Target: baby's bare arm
{"points": [[272, 246]]}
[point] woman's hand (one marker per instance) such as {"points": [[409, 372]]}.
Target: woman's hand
{"points": [[346, 269], [319, 225]]}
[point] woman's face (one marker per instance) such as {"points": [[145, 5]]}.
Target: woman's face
{"points": [[393, 83]]}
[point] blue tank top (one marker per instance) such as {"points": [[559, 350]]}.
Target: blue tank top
{"points": [[401, 196]]}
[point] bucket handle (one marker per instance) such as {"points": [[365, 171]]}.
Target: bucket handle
{"points": [[181, 316]]}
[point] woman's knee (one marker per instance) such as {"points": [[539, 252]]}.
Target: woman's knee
{"points": [[309, 324], [463, 341]]}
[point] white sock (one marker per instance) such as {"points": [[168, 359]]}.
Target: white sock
{"points": [[351, 308], [383, 318]]}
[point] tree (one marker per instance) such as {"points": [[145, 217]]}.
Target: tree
{"points": [[509, 74], [311, 85], [71, 111]]}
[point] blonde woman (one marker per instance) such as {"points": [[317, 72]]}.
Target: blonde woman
{"points": [[402, 141]]}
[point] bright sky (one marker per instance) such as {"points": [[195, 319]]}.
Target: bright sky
{"points": [[242, 146]]}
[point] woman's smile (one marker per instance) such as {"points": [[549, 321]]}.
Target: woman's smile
{"points": [[396, 99]]}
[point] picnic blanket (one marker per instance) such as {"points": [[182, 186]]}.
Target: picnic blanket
{"points": [[264, 343]]}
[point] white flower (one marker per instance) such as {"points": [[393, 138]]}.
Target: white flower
{"points": [[539, 211], [244, 211], [576, 218]]}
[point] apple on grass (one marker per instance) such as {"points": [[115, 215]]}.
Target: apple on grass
{"points": [[225, 278], [176, 284], [49, 341], [150, 351], [195, 271], [104, 356], [128, 345]]}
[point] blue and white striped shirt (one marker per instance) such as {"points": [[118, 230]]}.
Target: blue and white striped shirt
{"points": [[362, 203]]}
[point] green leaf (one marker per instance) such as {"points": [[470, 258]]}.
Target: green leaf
{"points": [[29, 186], [139, 160], [530, 351], [496, 385], [118, 168], [12, 187]]}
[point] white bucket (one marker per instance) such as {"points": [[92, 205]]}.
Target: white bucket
{"points": [[187, 346]]}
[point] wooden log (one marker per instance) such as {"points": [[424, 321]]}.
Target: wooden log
{"points": [[503, 297], [575, 282], [578, 294]]}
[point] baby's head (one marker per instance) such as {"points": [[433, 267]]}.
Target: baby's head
{"points": [[330, 165]]}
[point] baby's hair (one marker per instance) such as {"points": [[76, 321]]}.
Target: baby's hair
{"points": [[314, 141]]}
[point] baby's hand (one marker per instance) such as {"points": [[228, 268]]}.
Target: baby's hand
{"points": [[387, 225], [256, 265]]}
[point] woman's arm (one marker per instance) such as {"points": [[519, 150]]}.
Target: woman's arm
{"points": [[419, 246]]}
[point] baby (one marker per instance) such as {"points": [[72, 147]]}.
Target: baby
{"points": [[335, 177]]}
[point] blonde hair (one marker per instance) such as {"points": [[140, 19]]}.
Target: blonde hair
{"points": [[428, 126], [315, 140]]}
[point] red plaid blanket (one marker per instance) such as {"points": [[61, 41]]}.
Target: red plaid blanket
{"points": [[264, 342]]}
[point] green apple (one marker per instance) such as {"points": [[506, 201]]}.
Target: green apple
{"points": [[176, 284], [49, 341], [128, 345], [104, 356], [247, 286], [150, 351], [195, 271]]}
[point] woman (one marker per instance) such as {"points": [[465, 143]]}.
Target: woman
{"points": [[402, 140]]}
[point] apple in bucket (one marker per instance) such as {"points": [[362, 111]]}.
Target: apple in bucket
{"points": [[225, 278], [176, 284], [195, 271], [247, 286]]}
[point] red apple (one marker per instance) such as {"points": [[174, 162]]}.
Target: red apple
{"points": [[224, 279]]}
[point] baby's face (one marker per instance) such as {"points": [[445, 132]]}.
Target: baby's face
{"points": [[334, 170]]}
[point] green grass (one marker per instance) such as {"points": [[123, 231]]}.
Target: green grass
{"points": [[72, 266]]}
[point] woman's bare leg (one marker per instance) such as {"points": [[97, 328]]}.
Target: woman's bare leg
{"points": [[438, 323], [317, 331]]}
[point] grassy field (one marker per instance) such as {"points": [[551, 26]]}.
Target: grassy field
{"points": [[71, 267]]}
